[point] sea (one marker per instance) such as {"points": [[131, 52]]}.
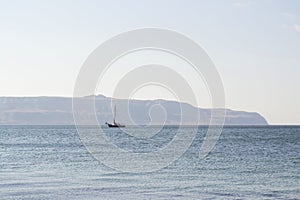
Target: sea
{"points": [[247, 162]]}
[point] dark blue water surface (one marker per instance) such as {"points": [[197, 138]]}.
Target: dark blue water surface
{"points": [[51, 162]]}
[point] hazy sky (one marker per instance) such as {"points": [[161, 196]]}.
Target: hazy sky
{"points": [[254, 44]]}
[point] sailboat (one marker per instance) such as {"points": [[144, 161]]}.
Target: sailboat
{"points": [[114, 124]]}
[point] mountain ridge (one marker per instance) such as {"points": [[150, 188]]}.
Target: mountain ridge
{"points": [[44, 110]]}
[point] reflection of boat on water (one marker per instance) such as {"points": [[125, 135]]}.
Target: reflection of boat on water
{"points": [[114, 124]]}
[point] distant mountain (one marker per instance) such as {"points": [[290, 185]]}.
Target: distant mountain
{"points": [[58, 111]]}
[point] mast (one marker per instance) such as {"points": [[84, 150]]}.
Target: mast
{"points": [[115, 112]]}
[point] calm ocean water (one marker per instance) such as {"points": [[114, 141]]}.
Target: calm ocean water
{"points": [[50, 162]]}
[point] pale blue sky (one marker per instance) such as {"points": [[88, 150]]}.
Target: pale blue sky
{"points": [[254, 44]]}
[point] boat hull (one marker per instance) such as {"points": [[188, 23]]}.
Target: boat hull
{"points": [[115, 125]]}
